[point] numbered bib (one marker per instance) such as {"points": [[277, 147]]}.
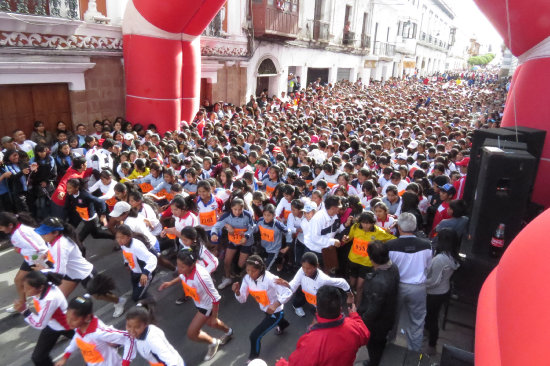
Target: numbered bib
{"points": [[146, 187], [89, 352], [36, 305], [83, 212], [129, 258], [267, 234], [111, 201], [50, 257], [269, 190], [331, 185], [207, 218], [360, 246], [286, 213], [190, 291], [237, 236], [260, 297], [312, 299]]}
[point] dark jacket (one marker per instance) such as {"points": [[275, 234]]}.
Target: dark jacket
{"points": [[379, 303], [83, 207]]}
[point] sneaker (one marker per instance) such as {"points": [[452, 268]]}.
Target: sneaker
{"points": [[11, 310], [226, 337], [300, 311], [278, 330], [119, 308], [212, 349], [225, 282], [181, 300]]}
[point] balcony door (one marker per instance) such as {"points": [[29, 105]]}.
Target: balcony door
{"points": [[318, 16], [22, 105]]}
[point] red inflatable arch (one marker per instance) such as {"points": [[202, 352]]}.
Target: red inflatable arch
{"points": [[525, 27], [162, 59], [513, 321]]}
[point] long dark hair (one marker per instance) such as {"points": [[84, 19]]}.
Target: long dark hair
{"points": [[127, 231], [448, 243], [68, 231], [184, 203], [24, 218], [37, 279]]}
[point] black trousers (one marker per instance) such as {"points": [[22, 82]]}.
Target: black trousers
{"points": [[139, 292], [433, 307], [46, 341], [270, 321], [92, 227], [376, 348]]}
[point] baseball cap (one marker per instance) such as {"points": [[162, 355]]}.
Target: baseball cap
{"points": [[448, 188], [309, 206], [464, 161], [120, 208], [128, 136], [6, 139], [412, 145], [401, 156]]}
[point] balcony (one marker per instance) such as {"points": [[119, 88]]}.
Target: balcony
{"points": [[276, 19], [365, 41], [384, 49], [319, 30], [348, 39], [53, 8]]}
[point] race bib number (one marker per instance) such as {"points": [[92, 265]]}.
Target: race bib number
{"points": [[207, 218], [312, 299], [111, 201], [190, 291], [89, 352], [360, 247], [83, 212], [146, 187], [260, 297], [267, 234], [129, 258], [237, 236]]}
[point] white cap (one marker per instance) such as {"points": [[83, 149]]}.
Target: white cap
{"points": [[120, 208], [412, 145], [402, 156], [128, 136], [309, 206]]}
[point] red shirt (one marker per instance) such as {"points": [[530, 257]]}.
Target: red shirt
{"points": [[330, 346], [62, 186], [441, 214]]}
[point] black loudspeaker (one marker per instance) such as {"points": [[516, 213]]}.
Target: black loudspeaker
{"points": [[478, 141], [534, 139], [502, 195]]}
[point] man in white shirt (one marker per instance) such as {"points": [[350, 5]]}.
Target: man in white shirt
{"points": [[23, 144], [323, 227]]}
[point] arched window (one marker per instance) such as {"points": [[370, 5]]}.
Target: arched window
{"points": [[267, 67]]}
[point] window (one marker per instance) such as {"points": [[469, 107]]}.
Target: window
{"points": [[267, 67]]}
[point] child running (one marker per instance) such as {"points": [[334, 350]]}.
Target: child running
{"points": [[150, 341], [198, 285], [262, 286], [272, 232], [95, 340]]}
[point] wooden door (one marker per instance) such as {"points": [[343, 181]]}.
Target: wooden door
{"points": [[22, 105]]}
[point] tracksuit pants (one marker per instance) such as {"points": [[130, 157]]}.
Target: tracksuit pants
{"points": [[270, 321], [45, 343]]}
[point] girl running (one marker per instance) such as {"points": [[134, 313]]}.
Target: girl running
{"points": [[27, 243], [95, 340], [271, 232], [261, 285], [198, 285], [150, 341], [47, 313]]}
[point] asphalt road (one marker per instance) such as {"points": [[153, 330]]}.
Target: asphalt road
{"points": [[17, 340]]}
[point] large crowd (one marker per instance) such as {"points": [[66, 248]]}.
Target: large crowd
{"points": [[351, 193]]}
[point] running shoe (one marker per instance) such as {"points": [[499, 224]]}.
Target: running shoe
{"points": [[119, 308], [212, 349], [225, 282], [226, 337]]}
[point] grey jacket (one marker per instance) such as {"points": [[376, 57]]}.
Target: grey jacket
{"points": [[439, 274]]}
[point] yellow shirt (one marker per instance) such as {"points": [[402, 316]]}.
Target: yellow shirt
{"points": [[135, 175], [361, 239]]}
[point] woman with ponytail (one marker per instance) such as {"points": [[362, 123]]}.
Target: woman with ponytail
{"points": [[198, 285], [95, 340], [46, 312], [66, 257], [26, 242]]}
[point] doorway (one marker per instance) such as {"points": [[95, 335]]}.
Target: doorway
{"points": [[22, 105], [262, 85], [313, 73]]}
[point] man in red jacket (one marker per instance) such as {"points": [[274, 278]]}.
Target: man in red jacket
{"points": [[334, 339], [77, 170]]}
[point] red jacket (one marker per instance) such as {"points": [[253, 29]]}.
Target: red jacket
{"points": [[62, 186], [336, 343]]}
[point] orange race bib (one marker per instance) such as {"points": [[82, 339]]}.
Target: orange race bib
{"points": [[170, 236], [260, 297], [308, 182], [237, 236], [269, 190], [190, 291], [312, 299], [89, 352], [360, 246], [267, 234], [36, 305], [207, 218], [111, 201], [331, 185], [286, 213], [146, 187], [129, 258], [157, 364], [50, 257], [83, 212], [400, 193]]}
